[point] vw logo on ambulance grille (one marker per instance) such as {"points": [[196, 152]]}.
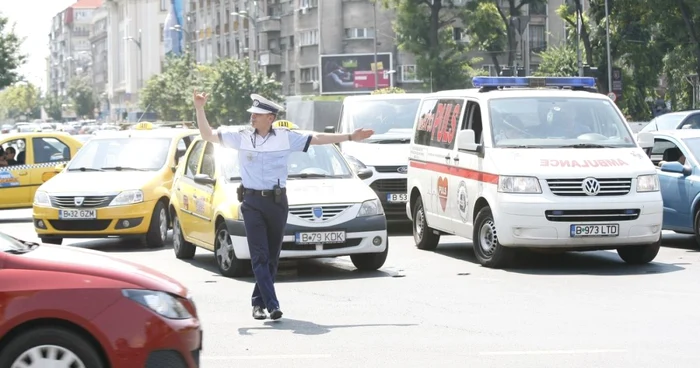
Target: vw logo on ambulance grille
{"points": [[590, 186]]}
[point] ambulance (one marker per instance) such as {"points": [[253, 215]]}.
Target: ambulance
{"points": [[532, 163]]}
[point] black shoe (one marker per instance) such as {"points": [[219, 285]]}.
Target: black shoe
{"points": [[259, 313], [276, 314]]}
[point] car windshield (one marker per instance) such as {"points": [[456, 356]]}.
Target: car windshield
{"points": [[318, 162], [556, 122], [694, 146], [391, 119], [122, 153], [664, 122], [9, 244]]}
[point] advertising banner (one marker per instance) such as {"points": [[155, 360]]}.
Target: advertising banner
{"points": [[354, 73], [173, 38]]}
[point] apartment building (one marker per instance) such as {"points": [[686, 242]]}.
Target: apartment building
{"points": [[70, 51], [100, 58], [135, 50]]}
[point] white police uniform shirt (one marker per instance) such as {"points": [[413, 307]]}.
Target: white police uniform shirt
{"points": [[263, 160]]}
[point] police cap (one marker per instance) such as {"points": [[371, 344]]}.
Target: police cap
{"points": [[262, 105]]}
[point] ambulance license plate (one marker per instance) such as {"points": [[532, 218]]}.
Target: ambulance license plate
{"points": [[321, 237], [597, 230], [77, 214]]}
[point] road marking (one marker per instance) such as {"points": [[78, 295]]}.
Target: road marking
{"points": [[267, 357], [553, 352]]}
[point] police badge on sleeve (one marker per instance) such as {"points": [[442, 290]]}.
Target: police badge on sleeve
{"points": [[463, 201]]}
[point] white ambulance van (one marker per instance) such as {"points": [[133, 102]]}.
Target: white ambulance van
{"points": [[391, 116], [523, 162]]}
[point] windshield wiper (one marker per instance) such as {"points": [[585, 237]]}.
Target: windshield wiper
{"points": [[390, 141], [308, 175], [124, 168], [86, 169], [520, 146], [585, 145]]}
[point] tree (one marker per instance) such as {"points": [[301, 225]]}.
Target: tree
{"points": [[487, 31], [231, 85], [388, 90], [558, 62], [83, 97], [425, 29], [10, 57], [22, 99], [53, 104]]}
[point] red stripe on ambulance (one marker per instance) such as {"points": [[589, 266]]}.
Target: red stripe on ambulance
{"points": [[457, 171]]}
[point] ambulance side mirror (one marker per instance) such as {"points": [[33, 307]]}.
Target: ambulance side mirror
{"points": [[645, 140], [466, 141]]}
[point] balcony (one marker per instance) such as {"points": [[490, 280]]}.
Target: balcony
{"points": [[269, 24], [267, 57]]}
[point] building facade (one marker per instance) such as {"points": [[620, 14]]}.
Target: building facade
{"points": [[135, 49], [100, 59]]}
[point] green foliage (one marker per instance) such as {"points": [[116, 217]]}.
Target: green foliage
{"points": [[22, 99], [82, 96], [388, 90], [487, 30], [10, 57], [53, 106], [558, 62]]}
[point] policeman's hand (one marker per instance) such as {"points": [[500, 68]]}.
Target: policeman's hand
{"points": [[200, 99], [361, 134]]}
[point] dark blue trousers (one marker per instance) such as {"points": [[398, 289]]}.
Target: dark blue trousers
{"points": [[264, 222]]}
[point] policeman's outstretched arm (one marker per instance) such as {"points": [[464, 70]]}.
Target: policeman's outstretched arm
{"points": [[227, 139], [331, 138]]}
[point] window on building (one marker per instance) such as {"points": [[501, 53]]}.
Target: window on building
{"points": [[537, 8], [163, 5], [308, 4], [309, 74], [308, 38], [409, 73], [359, 33], [538, 38]]}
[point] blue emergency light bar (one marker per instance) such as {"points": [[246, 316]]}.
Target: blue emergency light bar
{"points": [[534, 82]]}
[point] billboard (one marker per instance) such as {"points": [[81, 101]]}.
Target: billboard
{"points": [[354, 73], [173, 38]]}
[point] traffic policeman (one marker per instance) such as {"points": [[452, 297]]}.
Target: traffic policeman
{"points": [[263, 154]]}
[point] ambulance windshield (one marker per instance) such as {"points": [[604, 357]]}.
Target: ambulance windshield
{"points": [[554, 122]]}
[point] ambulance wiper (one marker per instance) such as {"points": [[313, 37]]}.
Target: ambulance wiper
{"points": [[520, 146], [391, 141], [124, 168], [86, 169], [585, 145]]}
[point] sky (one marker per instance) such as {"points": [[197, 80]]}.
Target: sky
{"points": [[32, 20]]}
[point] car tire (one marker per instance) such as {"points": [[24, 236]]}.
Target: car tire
{"points": [[370, 261], [423, 235], [639, 254], [183, 249], [155, 238], [51, 240], [696, 227], [226, 262], [488, 251], [73, 346]]}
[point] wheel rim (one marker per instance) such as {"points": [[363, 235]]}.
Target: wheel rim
{"points": [[163, 224], [48, 356], [224, 249], [488, 238], [419, 225], [176, 234]]}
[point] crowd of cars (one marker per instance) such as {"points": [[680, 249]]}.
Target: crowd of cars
{"points": [[509, 164]]}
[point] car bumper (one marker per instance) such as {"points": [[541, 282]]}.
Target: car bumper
{"points": [[126, 220], [547, 224], [143, 339], [360, 237]]}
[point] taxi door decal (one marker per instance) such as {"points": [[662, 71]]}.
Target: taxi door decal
{"points": [[8, 180]]}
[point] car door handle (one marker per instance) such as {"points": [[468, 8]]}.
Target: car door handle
{"points": [[456, 159], [23, 173], [448, 157]]}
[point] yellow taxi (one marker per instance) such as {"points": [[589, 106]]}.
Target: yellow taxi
{"points": [[37, 158], [332, 212], [118, 185]]}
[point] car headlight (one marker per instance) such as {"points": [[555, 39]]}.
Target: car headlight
{"points": [[356, 164], [128, 197], [648, 183], [42, 199], [518, 184], [371, 208], [159, 302]]}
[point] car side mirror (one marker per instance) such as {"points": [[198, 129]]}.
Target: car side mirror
{"points": [[676, 167], [204, 179], [329, 129], [365, 173], [59, 167], [645, 140], [466, 141]]}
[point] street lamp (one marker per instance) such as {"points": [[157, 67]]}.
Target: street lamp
{"points": [[188, 37], [607, 45], [137, 42], [374, 40], [244, 14]]}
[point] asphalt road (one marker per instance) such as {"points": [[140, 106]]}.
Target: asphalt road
{"points": [[441, 309]]}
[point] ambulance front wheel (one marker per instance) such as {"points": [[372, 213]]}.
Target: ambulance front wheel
{"points": [[424, 236], [639, 254], [487, 249]]}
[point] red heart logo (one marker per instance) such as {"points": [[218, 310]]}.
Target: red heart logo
{"points": [[442, 191]]}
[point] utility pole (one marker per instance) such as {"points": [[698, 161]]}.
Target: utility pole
{"points": [[579, 24], [376, 68], [137, 42], [607, 45]]}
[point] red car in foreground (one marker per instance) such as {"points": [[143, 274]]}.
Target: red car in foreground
{"points": [[76, 308]]}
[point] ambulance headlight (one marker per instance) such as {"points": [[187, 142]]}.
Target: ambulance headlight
{"points": [[519, 184], [648, 183]]}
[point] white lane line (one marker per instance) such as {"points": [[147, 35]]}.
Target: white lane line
{"points": [[553, 352], [267, 357]]}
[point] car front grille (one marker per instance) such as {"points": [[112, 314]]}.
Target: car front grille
{"points": [[318, 213], [592, 215], [574, 187], [87, 202], [392, 169], [397, 186], [80, 225]]}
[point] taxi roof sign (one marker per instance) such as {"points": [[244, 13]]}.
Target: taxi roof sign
{"points": [[533, 82], [143, 126]]}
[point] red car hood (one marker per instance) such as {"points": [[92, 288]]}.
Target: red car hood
{"points": [[89, 262]]}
